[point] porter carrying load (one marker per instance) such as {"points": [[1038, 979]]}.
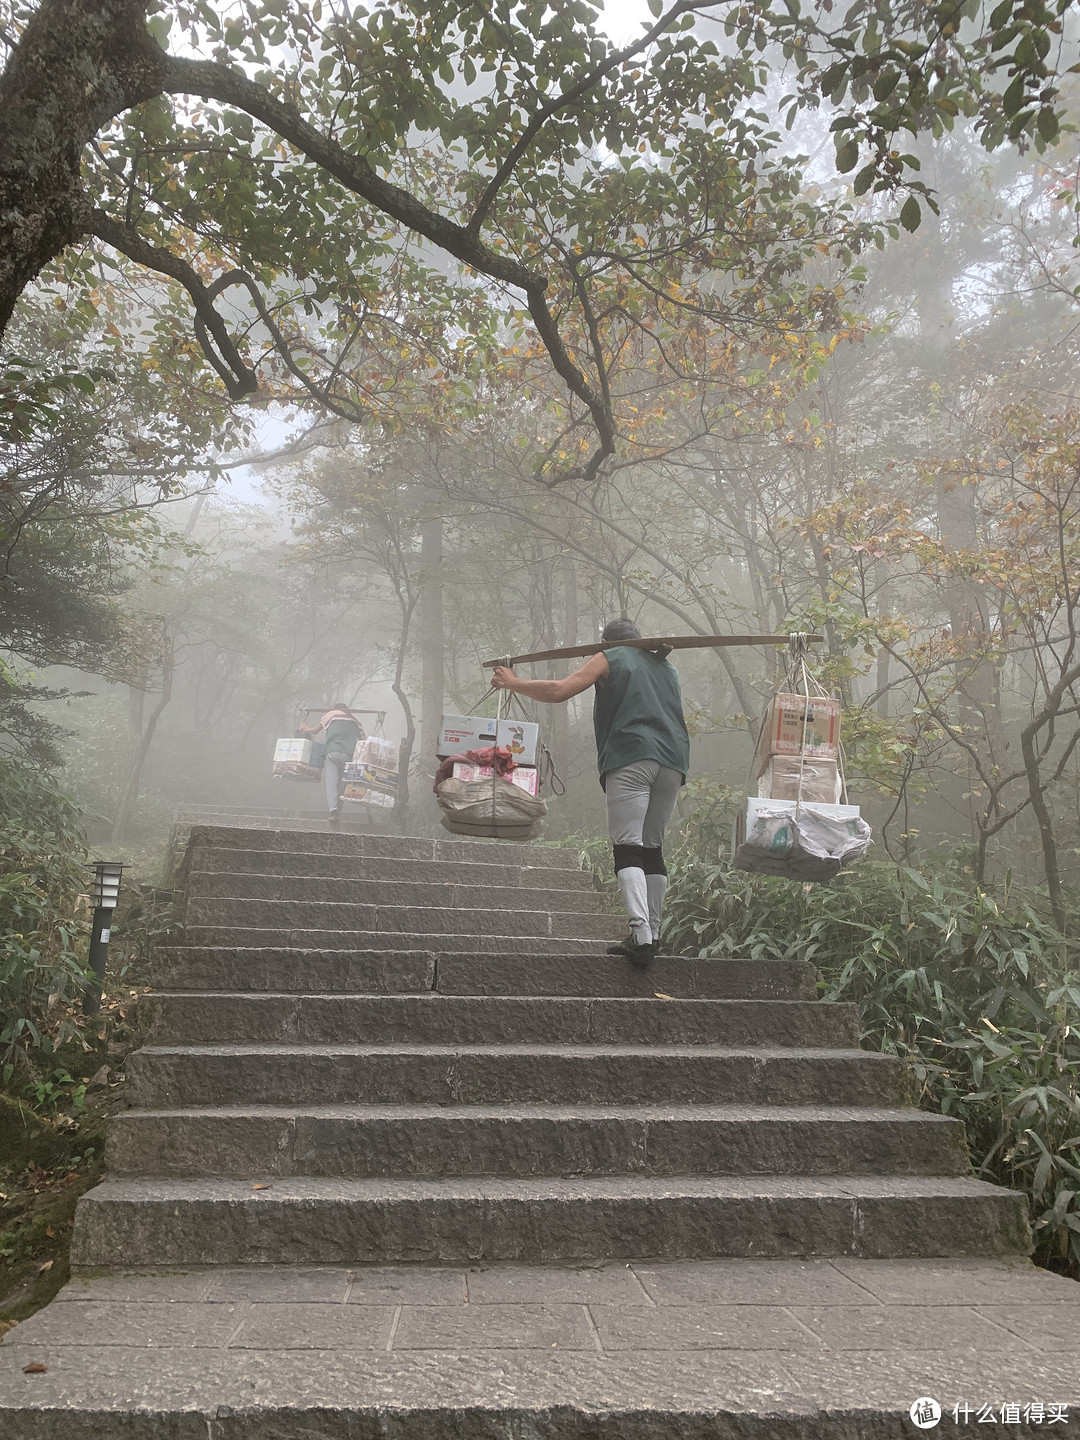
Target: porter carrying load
{"points": [[642, 747]]}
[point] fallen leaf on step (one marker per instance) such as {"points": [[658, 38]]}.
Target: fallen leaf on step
{"points": [[262, 1187], [661, 996], [34, 1368], [42, 1268]]}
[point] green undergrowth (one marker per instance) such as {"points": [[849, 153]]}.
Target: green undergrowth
{"points": [[974, 986], [61, 1073]]}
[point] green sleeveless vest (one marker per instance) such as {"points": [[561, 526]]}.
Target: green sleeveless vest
{"points": [[637, 713]]}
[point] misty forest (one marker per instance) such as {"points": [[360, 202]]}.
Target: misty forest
{"points": [[347, 347]]}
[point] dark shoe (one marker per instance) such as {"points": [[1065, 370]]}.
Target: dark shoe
{"points": [[334, 815], [635, 953]]}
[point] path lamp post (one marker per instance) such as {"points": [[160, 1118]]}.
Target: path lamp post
{"points": [[106, 889]]}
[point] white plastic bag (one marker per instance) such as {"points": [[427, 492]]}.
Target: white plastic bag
{"points": [[803, 842], [490, 809]]}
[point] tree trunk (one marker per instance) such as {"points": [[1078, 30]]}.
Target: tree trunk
{"points": [[130, 792], [1046, 824], [431, 622], [401, 801], [76, 67]]}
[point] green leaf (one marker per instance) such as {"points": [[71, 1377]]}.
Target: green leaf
{"points": [[847, 156], [911, 214], [1048, 123]]}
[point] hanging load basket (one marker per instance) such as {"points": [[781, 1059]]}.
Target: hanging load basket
{"points": [[492, 809], [799, 824], [491, 792]]}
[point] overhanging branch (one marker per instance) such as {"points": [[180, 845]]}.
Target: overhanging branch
{"points": [[239, 378]]}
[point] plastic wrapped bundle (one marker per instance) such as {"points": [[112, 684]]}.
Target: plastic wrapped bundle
{"points": [[490, 809], [803, 842]]}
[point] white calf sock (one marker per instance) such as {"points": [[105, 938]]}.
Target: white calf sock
{"points": [[657, 888], [635, 894]]}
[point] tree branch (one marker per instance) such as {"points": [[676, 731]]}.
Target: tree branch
{"points": [[569, 97], [212, 81], [239, 378]]}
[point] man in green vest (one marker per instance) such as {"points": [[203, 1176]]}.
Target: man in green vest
{"points": [[643, 751]]}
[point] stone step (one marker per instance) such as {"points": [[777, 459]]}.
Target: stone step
{"points": [[360, 889], [133, 1221], [369, 1141], [191, 1017], [386, 847], [300, 863], [396, 918], [375, 972], [730, 1349], [242, 937], [181, 1076], [287, 969], [677, 976]]}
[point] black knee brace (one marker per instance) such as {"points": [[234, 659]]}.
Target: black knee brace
{"points": [[653, 860], [630, 857]]}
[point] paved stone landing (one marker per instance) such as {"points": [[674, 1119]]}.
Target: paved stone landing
{"points": [[688, 1349]]}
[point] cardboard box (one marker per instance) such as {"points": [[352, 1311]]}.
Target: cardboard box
{"points": [[522, 776], [820, 778], [464, 732], [375, 751], [796, 724], [364, 795], [521, 738], [371, 777], [297, 758], [292, 747]]}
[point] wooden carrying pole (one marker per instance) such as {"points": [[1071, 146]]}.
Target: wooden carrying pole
{"points": [[668, 642]]}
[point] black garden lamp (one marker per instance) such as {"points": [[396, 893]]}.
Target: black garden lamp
{"points": [[105, 892]]}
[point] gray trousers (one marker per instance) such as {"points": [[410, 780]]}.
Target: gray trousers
{"points": [[640, 801], [334, 777]]}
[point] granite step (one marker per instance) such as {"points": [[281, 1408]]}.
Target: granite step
{"points": [[192, 1016], [385, 847], [447, 893], [303, 864], [288, 970], [129, 1221], [430, 1142], [243, 937], [173, 1076], [417, 919]]}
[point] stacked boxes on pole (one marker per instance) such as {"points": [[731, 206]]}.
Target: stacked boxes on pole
{"points": [[371, 776], [798, 748]]}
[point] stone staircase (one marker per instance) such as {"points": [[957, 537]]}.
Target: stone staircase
{"points": [[408, 1155], [371, 1049]]}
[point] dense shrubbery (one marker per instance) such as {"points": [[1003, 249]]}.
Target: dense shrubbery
{"points": [[44, 910], [974, 986]]}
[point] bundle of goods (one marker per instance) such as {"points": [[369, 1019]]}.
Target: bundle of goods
{"points": [[297, 758], [371, 776], [797, 825], [487, 784]]}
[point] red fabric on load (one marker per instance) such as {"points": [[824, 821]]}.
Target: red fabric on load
{"points": [[497, 755]]}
